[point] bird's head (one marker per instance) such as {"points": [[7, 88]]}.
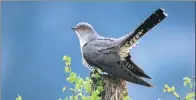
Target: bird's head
{"points": [[85, 32], [83, 28]]}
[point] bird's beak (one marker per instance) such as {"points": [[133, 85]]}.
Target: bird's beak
{"points": [[73, 28]]}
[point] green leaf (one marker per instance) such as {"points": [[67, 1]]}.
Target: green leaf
{"points": [[80, 80], [66, 98], [19, 97], [190, 96], [75, 97], [94, 93], [77, 87], [68, 64], [68, 59], [64, 88], [85, 97], [166, 86], [176, 94], [64, 57], [68, 79], [71, 97], [71, 89], [73, 77], [88, 80], [100, 88], [185, 83], [87, 88], [95, 96], [97, 76], [168, 89], [172, 89], [67, 69], [186, 80], [126, 98]]}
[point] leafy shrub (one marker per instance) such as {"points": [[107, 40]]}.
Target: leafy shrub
{"points": [[190, 94], [82, 86]]}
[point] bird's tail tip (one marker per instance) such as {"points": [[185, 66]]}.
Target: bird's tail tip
{"points": [[163, 10], [151, 85]]}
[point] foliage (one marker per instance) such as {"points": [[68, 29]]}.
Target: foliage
{"points": [[190, 95], [82, 89]]}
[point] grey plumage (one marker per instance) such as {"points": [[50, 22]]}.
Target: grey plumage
{"points": [[112, 55]]}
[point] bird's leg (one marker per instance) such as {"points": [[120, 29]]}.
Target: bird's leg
{"points": [[98, 70], [95, 74], [96, 78], [104, 73]]}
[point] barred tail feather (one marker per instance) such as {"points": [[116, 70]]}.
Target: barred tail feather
{"points": [[132, 38]]}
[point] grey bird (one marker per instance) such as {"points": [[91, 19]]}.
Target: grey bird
{"points": [[112, 55]]}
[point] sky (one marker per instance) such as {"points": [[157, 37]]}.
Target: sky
{"points": [[36, 36]]}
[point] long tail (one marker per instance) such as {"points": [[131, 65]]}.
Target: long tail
{"points": [[133, 37]]}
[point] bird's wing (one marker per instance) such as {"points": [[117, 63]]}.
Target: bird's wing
{"points": [[102, 54], [128, 41], [134, 68], [123, 72]]}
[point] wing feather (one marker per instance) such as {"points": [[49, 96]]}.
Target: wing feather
{"points": [[108, 60]]}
